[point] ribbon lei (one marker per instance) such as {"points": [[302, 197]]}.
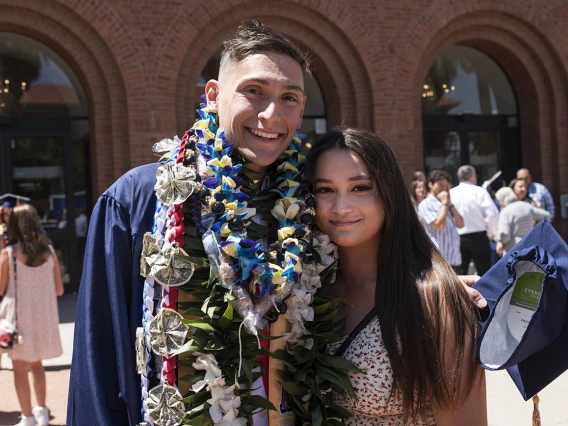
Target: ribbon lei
{"points": [[175, 231]]}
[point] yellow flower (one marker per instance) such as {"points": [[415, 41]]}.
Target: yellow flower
{"points": [[286, 232], [225, 231], [277, 277], [223, 162], [231, 250]]}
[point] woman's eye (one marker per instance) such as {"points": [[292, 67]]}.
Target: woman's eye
{"points": [[362, 188], [322, 190]]}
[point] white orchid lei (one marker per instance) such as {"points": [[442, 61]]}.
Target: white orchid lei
{"points": [[230, 272]]}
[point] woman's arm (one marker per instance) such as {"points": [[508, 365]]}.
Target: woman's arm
{"points": [[4, 270], [471, 409], [59, 290]]}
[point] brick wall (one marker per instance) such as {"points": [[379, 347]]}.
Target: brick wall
{"points": [[139, 62]]}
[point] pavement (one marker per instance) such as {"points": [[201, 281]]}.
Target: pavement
{"points": [[56, 372], [505, 405]]}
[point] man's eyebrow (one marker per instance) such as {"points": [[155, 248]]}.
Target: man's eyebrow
{"points": [[351, 179], [286, 86]]}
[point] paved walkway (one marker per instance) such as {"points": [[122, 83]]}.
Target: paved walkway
{"points": [[57, 373], [506, 407]]}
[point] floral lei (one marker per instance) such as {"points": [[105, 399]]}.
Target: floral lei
{"points": [[224, 270]]}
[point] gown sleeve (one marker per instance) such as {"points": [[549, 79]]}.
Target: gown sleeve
{"points": [[103, 388]]}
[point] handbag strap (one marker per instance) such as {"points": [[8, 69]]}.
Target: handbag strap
{"points": [[15, 288], [355, 332]]}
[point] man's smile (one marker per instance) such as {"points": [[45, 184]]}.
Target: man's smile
{"points": [[265, 134]]}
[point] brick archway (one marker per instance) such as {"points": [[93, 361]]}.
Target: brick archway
{"points": [[535, 71], [337, 65], [89, 57]]}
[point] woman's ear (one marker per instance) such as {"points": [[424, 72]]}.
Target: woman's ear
{"points": [[212, 93]]}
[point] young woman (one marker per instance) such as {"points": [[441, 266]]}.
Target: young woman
{"points": [[521, 190], [412, 325], [419, 191], [30, 276]]}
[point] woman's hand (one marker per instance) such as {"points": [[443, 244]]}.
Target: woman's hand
{"points": [[474, 296]]}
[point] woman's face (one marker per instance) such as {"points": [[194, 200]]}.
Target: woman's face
{"points": [[420, 191], [348, 208], [520, 189]]}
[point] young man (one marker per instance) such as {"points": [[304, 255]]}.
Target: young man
{"points": [[259, 98], [441, 218]]}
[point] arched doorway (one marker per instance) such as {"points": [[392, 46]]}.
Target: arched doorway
{"points": [[470, 115], [314, 122], [44, 143]]}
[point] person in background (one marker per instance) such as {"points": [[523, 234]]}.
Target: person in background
{"points": [[516, 219], [538, 192], [441, 219], [480, 216], [520, 188], [81, 224], [418, 175], [413, 330], [418, 192], [30, 267]]}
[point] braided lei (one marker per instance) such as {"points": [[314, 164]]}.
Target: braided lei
{"points": [[228, 272]]}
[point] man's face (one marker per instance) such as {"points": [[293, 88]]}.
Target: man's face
{"points": [[260, 102], [439, 186], [525, 175]]}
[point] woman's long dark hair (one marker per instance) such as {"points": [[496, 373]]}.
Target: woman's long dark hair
{"points": [[424, 311], [24, 228]]}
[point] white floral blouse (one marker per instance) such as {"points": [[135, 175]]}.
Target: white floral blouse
{"points": [[374, 406]]}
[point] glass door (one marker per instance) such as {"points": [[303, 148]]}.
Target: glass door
{"points": [[488, 143], [40, 167]]}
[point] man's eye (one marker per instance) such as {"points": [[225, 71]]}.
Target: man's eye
{"points": [[252, 91], [290, 98]]}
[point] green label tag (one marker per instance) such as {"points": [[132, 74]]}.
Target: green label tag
{"points": [[528, 288]]}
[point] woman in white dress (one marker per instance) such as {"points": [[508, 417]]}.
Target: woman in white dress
{"points": [[30, 276], [412, 328]]}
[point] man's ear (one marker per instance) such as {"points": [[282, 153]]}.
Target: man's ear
{"points": [[212, 93]]}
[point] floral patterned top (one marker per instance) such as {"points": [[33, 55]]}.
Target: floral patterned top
{"points": [[374, 406]]}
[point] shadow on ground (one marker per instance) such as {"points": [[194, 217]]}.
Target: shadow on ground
{"points": [[9, 418]]}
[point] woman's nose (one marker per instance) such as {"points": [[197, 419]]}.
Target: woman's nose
{"points": [[342, 205]]}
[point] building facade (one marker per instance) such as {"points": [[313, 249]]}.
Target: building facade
{"points": [[86, 87]]}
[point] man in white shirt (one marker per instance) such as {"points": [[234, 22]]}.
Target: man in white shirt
{"points": [[480, 217]]}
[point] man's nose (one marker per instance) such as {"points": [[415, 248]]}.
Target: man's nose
{"points": [[269, 112]]}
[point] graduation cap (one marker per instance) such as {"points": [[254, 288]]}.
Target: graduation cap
{"points": [[526, 330], [11, 200]]}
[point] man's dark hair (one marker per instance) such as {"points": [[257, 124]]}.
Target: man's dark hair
{"points": [[438, 175], [252, 37]]}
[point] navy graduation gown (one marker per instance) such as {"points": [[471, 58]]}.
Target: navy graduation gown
{"points": [[104, 389]]}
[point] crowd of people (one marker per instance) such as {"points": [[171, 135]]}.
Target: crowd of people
{"points": [[472, 223]]}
